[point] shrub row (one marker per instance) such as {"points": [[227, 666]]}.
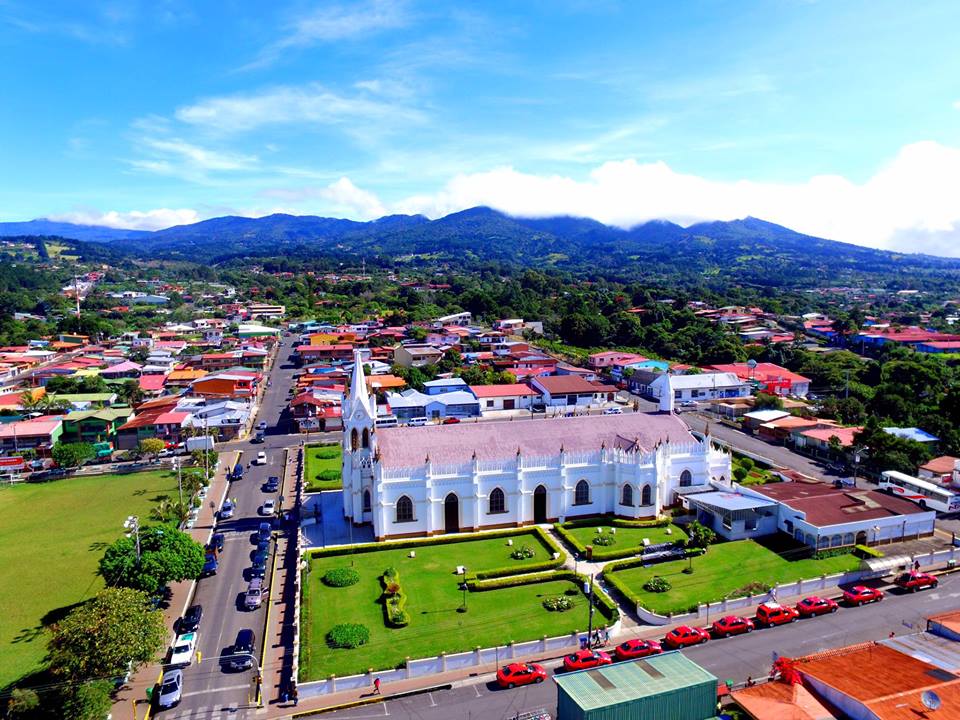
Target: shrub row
{"points": [[865, 551], [394, 599], [604, 554], [660, 521], [832, 552], [605, 606]]}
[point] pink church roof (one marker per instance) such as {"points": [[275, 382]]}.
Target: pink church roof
{"points": [[409, 446]]}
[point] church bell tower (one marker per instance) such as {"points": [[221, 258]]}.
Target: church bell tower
{"points": [[359, 444]]}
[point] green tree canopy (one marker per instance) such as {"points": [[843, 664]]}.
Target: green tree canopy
{"points": [[71, 455], [166, 555]]}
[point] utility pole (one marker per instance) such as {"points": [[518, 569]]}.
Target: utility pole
{"points": [[132, 524], [179, 480]]}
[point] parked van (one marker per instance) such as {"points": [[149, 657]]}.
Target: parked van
{"points": [[254, 595], [417, 421], [387, 421]]}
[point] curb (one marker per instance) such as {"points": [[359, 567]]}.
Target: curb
{"points": [[273, 573], [372, 700]]}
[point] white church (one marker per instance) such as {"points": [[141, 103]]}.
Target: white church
{"points": [[417, 481]]}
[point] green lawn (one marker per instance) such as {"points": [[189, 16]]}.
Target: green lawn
{"points": [[51, 538], [725, 568], [625, 536], [322, 460], [433, 596]]}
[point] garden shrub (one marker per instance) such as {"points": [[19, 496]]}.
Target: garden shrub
{"points": [[560, 603], [394, 599], [657, 584], [348, 635], [604, 540], [328, 475], [524, 552], [326, 452], [865, 551], [340, 577], [832, 552]]}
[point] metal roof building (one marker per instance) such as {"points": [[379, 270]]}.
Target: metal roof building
{"points": [[659, 687]]}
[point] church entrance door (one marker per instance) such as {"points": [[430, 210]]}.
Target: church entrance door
{"points": [[540, 505], [451, 514]]}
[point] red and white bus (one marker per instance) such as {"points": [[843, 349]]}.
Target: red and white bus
{"points": [[926, 494]]}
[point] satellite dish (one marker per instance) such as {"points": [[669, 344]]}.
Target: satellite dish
{"points": [[930, 700]]}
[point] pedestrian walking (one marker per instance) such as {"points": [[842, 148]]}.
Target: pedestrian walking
{"points": [[376, 686], [296, 696]]}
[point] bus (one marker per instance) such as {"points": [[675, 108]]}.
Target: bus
{"points": [[925, 494]]}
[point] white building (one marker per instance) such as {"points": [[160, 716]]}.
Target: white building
{"points": [[408, 481], [705, 386]]}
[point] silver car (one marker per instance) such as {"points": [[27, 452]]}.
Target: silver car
{"points": [[171, 689]]}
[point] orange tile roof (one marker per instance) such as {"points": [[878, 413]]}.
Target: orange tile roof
{"points": [[780, 700], [909, 705], [950, 620]]}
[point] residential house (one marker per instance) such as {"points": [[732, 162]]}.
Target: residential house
{"points": [[463, 319], [444, 385], [817, 441], [914, 434], [416, 355], [515, 396], [608, 358], [95, 425], [39, 434], [768, 377], [698, 388], [232, 385], [572, 391], [339, 353], [944, 470]]}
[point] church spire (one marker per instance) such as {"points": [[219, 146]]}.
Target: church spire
{"points": [[358, 383]]}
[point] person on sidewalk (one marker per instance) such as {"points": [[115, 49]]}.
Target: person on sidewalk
{"points": [[376, 686], [295, 695]]}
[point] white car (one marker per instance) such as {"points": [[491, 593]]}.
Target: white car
{"points": [[261, 459], [613, 411], [268, 507], [181, 652]]}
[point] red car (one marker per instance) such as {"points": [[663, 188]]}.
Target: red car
{"points": [[860, 594], [685, 636], [451, 421], [583, 659], [814, 605], [731, 625], [771, 613], [509, 676], [636, 648], [915, 581]]}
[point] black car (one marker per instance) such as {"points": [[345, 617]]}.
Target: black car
{"points": [[258, 439], [216, 541], [263, 545], [190, 622], [241, 657], [272, 484], [260, 557]]}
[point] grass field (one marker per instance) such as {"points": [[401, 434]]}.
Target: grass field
{"points": [[322, 460], [626, 536], [724, 569], [52, 536], [432, 588]]}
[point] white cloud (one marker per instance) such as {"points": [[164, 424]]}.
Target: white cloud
{"points": [[310, 103], [341, 198], [132, 220], [337, 22], [909, 204], [199, 157]]}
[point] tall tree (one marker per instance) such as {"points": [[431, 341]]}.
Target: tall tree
{"points": [[166, 555]]}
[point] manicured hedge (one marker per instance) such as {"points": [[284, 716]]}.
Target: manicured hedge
{"points": [[605, 606], [340, 577], [603, 554], [447, 539], [615, 522], [394, 604], [348, 635]]}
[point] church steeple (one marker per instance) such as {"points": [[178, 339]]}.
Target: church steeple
{"points": [[358, 385]]}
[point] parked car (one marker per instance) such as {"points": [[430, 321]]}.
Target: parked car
{"points": [[262, 425], [685, 636], [263, 545], [272, 484], [261, 458], [181, 652], [815, 605], [241, 655], [860, 594], [509, 676], [264, 531], [636, 648], [269, 507], [770, 614], [216, 540], [258, 439], [915, 581], [260, 557], [210, 566], [190, 622], [731, 625], [254, 594], [171, 689], [226, 510], [613, 411], [451, 421], [582, 659]]}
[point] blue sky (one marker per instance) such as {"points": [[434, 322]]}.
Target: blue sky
{"points": [[837, 117]]}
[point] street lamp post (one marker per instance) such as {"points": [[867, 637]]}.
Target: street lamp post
{"points": [[588, 589], [132, 523], [463, 590], [176, 464]]}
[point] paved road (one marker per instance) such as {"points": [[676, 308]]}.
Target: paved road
{"points": [[734, 658], [209, 689]]}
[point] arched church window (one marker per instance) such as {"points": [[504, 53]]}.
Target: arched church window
{"points": [[366, 501], [686, 478], [365, 442], [581, 494], [354, 440], [626, 495], [646, 495], [404, 509], [498, 501]]}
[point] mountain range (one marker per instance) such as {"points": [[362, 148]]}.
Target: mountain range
{"points": [[750, 249]]}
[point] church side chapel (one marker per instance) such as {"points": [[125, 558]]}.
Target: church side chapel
{"points": [[421, 481]]}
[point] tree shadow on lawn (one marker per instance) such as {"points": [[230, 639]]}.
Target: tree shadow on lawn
{"points": [[785, 546], [50, 618]]}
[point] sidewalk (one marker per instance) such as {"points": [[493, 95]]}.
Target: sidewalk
{"points": [[131, 700]]}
